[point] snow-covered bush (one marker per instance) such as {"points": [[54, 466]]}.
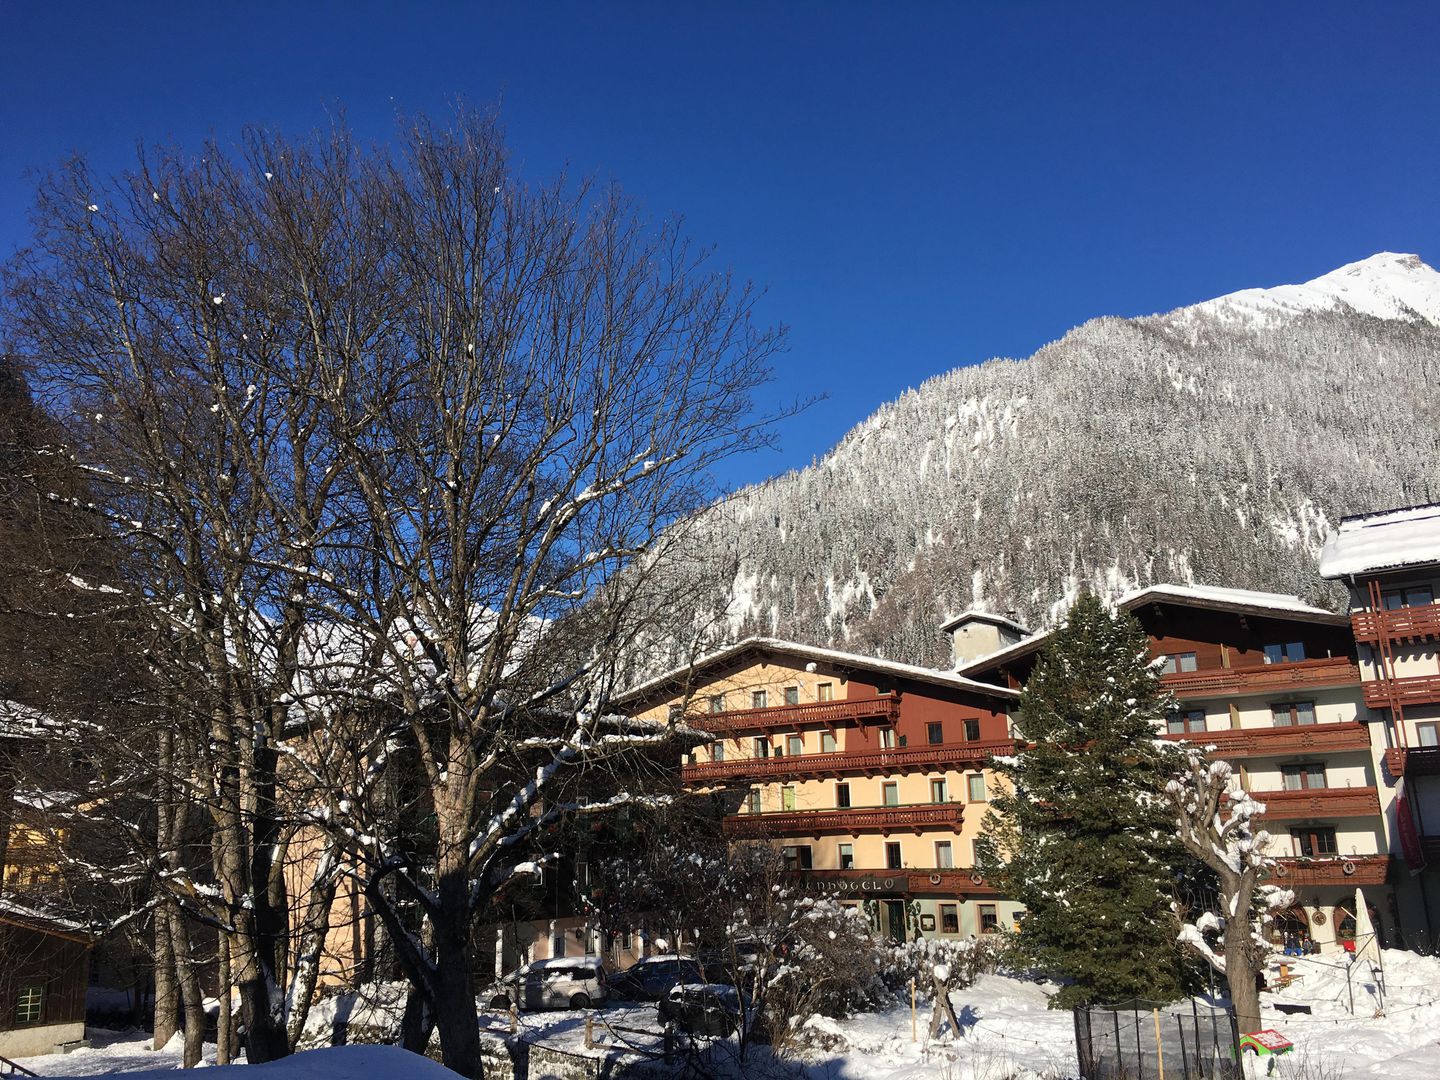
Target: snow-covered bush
{"points": [[965, 960]]}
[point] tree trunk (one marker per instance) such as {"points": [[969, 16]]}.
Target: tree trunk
{"points": [[225, 1017], [167, 990], [418, 1023], [190, 996], [455, 1014], [264, 1033], [1241, 971]]}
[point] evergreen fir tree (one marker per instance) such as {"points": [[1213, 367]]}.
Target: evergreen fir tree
{"points": [[1082, 837]]}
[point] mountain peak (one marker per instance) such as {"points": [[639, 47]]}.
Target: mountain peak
{"points": [[1387, 285]]}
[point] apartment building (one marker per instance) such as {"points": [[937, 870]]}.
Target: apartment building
{"points": [[1391, 563], [1274, 684], [872, 777]]}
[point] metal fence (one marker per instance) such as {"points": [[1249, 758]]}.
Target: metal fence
{"points": [[1148, 1040]]}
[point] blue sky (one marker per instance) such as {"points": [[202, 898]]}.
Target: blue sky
{"points": [[918, 186]]}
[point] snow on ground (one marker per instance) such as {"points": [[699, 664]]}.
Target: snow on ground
{"points": [[1008, 1034]]}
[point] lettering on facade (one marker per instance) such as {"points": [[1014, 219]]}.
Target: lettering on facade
{"points": [[851, 885]]}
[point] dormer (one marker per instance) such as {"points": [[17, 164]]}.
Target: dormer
{"points": [[978, 633]]}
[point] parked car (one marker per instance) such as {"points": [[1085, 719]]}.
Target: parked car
{"points": [[702, 1008], [737, 961], [566, 982], [654, 977]]}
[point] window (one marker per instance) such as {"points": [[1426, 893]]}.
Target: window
{"points": [[975, 787], [1287, 653], [989, 919], [937, 790], [752, 801], [757, 699], [797, 857], [949, 918], [935, 734], [842, 796], [1313, 843], [717, 751], [893, 860], [890, 793], [825, 692], [1303, 777], [762, 748], [717, 703], [794, 745], [1182, 661], [792, 695], [30, 1004], [1291, 713], [887, 738], [1182, 721], [827, 742], [1427, 734], [557, 943], [972, 730], [787, 797], [1413, 596], [847, 856], [675, 713], [1344, 923], [944, 855], [625, 940]]}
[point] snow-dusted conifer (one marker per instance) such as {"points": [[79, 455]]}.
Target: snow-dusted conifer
{"points": [[1081, 834]]}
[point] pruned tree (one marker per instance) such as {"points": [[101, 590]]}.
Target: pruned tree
{"points": [[1216, 819]]}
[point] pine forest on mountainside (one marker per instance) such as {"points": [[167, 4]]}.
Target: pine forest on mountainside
{"points": [[1213, 444]]}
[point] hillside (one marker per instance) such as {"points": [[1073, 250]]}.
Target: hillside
{"points": [[1214, 443]]}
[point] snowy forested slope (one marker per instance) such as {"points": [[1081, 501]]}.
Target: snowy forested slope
{"points": [[1216, 443]]}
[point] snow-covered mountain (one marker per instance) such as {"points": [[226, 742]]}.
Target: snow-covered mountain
{"points": [[1216, 443]]}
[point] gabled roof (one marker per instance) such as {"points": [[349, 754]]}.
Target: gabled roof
{"points": [[972, 615], [1210, 597], [817, 654], [1243, 601], [1385, 540], [47, 922]]}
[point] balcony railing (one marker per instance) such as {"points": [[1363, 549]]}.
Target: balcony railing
{"points": [[1301, 738], [838, 763], [885, 819], [1397, 624], [885, 709], [948, 881], [1338, 870], [1413, 761], [1415, 690], [1262, 678], [1319, 803]]}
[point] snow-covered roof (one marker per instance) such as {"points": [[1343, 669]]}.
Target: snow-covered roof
{"points": [[1386, 540], [828, 656], [19, 721], [974, 615], [32, 916], [1005, 655], [1276, 605]]}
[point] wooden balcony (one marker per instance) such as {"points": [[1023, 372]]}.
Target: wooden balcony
{"points": [[1319, 803], [857, 883], [1415, 690], [854, 820], [1264, 678], [849, 762], [1413, 761], [885, 710], [1349, 870], [1267, 742], [1397, 624]]}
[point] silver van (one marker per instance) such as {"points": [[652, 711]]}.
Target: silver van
{"points": [[566, 982]]}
